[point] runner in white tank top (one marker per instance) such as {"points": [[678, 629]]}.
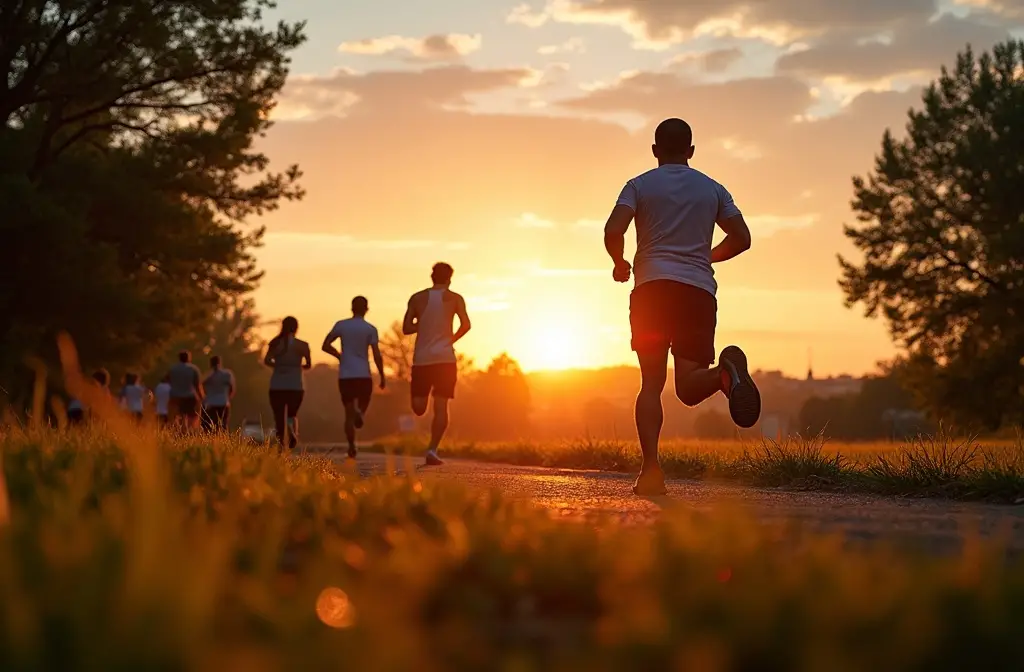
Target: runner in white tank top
{"points": [[430, 316]]}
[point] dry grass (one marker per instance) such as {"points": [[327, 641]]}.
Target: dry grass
{"points": [[125, 549], [943, 465]]}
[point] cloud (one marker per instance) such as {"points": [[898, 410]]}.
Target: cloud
{"points": [[1008, 8], [413, 160], [450, 47], [911, 49], [713, 62], [657, 23], [390, 92], [574, 45], [528, 220]]}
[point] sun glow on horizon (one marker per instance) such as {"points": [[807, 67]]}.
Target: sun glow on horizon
{"points": [[553, 341]]}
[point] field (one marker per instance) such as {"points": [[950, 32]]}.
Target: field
{"points": [[944, 465], [124, 549]]}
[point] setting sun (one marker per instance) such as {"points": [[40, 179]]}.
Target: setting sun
{"points": [[553, 343]]}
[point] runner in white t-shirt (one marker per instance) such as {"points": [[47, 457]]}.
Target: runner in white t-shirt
{"points": [[134, 395], [162, 393], [673, 305], [430, 315], [355, 384]]}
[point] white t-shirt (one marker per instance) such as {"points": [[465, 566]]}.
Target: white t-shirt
{"points": [[133, 397], [676, 208], [163, 398], [357, 336]]}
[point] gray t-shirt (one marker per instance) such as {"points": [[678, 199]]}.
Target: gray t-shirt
{"points": [[218, 386], [185, 378], [676, 208], [288, 365]]}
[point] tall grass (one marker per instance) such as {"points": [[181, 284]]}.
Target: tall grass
{"points": [[942, 465], [219, 555]]}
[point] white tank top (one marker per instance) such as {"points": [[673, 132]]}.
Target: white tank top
{"points": [[434, 333]]}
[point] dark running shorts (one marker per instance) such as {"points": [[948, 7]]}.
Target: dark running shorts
{"points": [[437, 378], [665, 314], [358, 390], [187, 406]]}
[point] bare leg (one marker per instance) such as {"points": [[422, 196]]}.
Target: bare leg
{"points": [[350, 427], [440, 424], [437, 429], [695, 382], [419, 405], [649, 414]]}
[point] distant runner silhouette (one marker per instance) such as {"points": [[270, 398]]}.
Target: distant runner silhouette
{"points": [[186, 391], [430, 315], [355, 385], [673, 305], [134, 395], [220, 390], [289, 357]]}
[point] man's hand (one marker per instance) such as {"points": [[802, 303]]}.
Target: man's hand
{"points": [[622, 271]]}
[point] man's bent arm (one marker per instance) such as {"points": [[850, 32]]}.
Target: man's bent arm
{"points": [[615, 232], [464, 323], [378, 359], [328, 346], [736, 242], [409, 325]]}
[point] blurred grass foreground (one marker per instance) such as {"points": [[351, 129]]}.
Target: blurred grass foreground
{"points": [[126, 548], [122, 548]]}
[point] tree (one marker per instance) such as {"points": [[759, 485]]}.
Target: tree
{"points": [[942, 234], [496, 402], [397, 349], [129, 169]]}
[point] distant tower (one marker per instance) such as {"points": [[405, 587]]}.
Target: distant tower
{"points": [[810, 367]]}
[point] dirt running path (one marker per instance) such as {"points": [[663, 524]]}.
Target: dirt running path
{"points": [[932, 525]]}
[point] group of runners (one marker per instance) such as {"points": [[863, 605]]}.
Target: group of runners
{"points": [[430, 315], [672, 309], [184, 396]]}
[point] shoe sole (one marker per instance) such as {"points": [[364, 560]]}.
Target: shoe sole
{"points": [[434, 462], [745, 399], [358, 422]]}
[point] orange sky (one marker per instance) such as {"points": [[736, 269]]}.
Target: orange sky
{"points": [[497, 136]]}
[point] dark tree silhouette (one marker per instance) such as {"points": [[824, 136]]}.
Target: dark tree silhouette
{"points": [[942, 234], [129, 168]]}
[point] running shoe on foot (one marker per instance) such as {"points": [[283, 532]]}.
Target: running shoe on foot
{"points": [[433, 460], [352, 452], [358, 420], [650, 483], [744, 398]]}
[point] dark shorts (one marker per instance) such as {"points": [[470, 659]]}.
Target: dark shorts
{"points": [[187, 406], [358, 390], [438, 379], [286, 403], [664, 314]]}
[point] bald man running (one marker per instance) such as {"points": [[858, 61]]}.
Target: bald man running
{"points": [[673, 305], [431, 315]]}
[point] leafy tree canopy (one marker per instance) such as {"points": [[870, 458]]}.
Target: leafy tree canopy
{"points": [[129, 169], [942, 237]]}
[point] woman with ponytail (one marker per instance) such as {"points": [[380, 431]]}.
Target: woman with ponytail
{"points": [[289, 357]]}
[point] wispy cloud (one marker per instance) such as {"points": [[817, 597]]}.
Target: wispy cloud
{"points": [[574, 45], [431, 48]]}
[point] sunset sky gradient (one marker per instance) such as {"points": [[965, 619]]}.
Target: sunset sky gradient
{"points": [[496, 135]]}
